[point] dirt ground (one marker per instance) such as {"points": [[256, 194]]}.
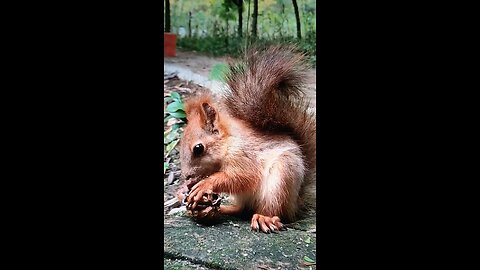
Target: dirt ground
{"points": [[202, 64], [198, 63]]}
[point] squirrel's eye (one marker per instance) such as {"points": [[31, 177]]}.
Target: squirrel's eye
{"points": [[198, 149]]}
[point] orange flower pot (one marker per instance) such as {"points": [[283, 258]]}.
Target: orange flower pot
{"points": [[169, 44]]}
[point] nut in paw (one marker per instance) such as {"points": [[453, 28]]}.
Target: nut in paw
{"points": [[207, 209]]}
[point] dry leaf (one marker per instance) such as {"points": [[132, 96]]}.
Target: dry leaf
{"points": [[182, 89], [170, 178], [169, 129], [172, 203], [173, 121]]}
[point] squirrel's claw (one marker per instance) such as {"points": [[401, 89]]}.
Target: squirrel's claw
{"points": [[194, 205], [266, 224], [196, 194]]}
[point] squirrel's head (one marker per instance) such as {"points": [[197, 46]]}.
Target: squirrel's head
{"points": [[202, 141]]}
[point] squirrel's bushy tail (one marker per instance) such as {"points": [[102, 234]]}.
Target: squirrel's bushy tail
{"points": [[266, 90]]}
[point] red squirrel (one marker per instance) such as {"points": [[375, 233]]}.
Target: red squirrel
{"points": [[256, 141]]}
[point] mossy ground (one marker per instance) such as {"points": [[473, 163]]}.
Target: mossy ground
{"points": [[232, 245]]}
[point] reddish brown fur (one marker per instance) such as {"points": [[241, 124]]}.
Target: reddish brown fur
{"points": [[239, 175]]}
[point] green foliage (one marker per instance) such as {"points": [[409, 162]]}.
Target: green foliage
{"points": [[212, 45], [215, 46], [225, 9], [174, 118], [215, 22], [175, 105], [218, 72], [166, 165], [176, 96]]}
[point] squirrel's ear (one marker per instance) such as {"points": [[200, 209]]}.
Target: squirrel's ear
{"points": [[210, 116]]}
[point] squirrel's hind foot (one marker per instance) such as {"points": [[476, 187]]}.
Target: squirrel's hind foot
{"points": [[267, 224]]}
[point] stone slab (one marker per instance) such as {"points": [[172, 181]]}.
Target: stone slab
{"points": [[232, 245]]}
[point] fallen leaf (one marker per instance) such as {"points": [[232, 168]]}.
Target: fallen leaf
{"points": [[173, 202], [165, 166], [166, 132], [307, 259], [179, 114], [165, 120], [176, 96], [174, 107], [177, 210], [170, 146], [170, 178], [173, 121], [173, 135], [183, 89], [307, 264]]}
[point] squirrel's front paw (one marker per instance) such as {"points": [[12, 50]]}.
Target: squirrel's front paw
{"points": [[198, 190], [266, 224]]}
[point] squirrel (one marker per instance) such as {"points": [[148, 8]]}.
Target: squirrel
{"points": [[256, 141]]}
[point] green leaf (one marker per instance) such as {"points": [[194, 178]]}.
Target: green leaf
{"points": [[167, 118], [177, 126], [176, 96], [308, 240], [307, 259], [178, 114], [218, 72], [175, 106], [165, 167], [170, 137], [170, 146]]}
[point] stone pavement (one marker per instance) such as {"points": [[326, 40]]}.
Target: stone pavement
{"points": [[231, 244]]}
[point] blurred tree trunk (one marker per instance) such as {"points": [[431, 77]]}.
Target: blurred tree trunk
{"points": [[167, 15], [254, 19], [189, 24], [226, 36], [239, 4], [297, 17]]}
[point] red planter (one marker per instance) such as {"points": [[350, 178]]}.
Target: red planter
{"points": [[169, 44]]}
